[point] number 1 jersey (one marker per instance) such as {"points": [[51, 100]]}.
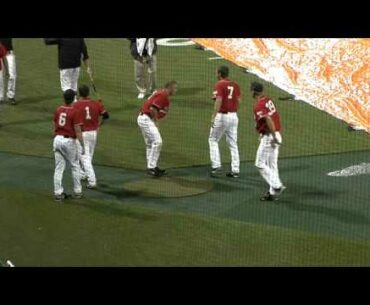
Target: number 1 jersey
{"points": [[90, 111]]}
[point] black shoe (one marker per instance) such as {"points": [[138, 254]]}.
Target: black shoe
{"points": [[280, 190], [232, 175], [269, 197], [77, 196], [12, 101], [216, 172], [61, 197], [153, 172], [161, 171]]}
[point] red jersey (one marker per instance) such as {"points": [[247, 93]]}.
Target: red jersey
{"points": [[159, 100], [65, 119], [3, 52], [265, 107], [229, 92], [91, 111]]}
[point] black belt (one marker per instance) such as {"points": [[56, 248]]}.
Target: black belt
{"points": [[226, 112], [142, 113]]}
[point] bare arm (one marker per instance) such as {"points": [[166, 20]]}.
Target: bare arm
{"points": [[79, 137], [217, 107], [272, 129], [154, 114]]}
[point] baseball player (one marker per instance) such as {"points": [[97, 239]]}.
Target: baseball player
{"points": [[91, 112], [268, 126], [2, 69], [67, 123], [70, 52], [225, 122], [153, 110], [144, 50], [12, 70]]}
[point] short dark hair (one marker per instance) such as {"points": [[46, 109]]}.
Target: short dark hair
{"points": [[170, 83], [224, 71], [69, 96], [84, 90], [256, 87]]}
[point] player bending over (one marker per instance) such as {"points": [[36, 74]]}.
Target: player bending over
{"points": [[153, 110], [269, 127], [67, 124], [91, 111], [225, 122]]}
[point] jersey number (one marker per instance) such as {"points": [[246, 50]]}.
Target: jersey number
{"points": [[270, 106], [62, 119], [88, 117], [231, 91]]}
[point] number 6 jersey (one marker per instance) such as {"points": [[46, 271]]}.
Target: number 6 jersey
{"points": [[65, 119], [265, 107], [229, 92]]}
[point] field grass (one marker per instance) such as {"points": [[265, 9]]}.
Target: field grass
{"points": [[321, 220]]}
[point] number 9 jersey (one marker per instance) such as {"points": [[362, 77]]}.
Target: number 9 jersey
{"points": [[265, 107], [229, 92]]}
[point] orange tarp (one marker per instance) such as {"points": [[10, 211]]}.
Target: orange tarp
{"points": [[330, 74]]}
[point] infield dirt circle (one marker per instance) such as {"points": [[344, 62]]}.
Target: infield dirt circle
{"points": [[168, 186]]}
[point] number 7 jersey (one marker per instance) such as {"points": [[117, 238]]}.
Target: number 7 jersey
{"points": [[229, 92], [265, 107]]}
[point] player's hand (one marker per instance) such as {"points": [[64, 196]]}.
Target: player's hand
{"points": [[82, 150], [275, 142]]}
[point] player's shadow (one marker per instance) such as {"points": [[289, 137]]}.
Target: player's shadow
{"points": [[297, 203]]}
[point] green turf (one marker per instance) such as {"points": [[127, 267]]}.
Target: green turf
{"points": [[27, 128], [321, 220]]}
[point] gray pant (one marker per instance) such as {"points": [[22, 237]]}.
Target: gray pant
{"points": [[145, 74]]}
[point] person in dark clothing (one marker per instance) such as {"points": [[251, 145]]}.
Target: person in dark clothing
{"points": [[11, 70], [70, 53], [144, 50]]}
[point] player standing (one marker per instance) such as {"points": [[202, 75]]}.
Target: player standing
{"points": [[2, 69], [225, 122], [91, 112], [67, 124], [12, 70], [268, 126], [70, 52], [153, 110]]}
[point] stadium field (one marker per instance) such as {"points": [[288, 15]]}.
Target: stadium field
{"points": [[187, 218]]}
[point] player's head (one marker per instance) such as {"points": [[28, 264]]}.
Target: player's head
{"points": [[171, 87], [222, 72], [69, 96], [256, 88], [84, 91]]}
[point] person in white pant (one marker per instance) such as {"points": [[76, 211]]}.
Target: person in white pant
{"points": [[70, 52], [2, 68], [268, 126], [153, 110], [67, 125], [225, 122], [11, 68], [91, 111], [143, 50]]}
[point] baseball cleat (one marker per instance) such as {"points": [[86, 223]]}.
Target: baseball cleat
{"points": [[232, 175], [154, 173], [91, 186], [141, 96], [61, 197], [160, 171], [216, 172], [77, 196], [280, 190], [12, 101], [269, 197], [84, 178]]}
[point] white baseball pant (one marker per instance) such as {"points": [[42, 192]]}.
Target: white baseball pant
{"points": [[225, 124], [2, 83], [87, 169], [69, 79], [267, 161], [65, 150], [12, 70], [152, 138], [143, 84]]}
